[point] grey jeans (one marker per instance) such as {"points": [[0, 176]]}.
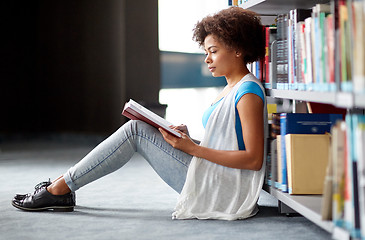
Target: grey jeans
{"points": [[134, 136]]}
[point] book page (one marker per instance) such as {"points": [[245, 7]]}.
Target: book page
{"points": [[150, 117]]}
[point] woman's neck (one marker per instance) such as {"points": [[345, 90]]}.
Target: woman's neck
{"points": [[234, 78]]}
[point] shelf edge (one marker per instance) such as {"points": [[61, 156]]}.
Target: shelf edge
{"points": [[339, 99], [303, 210]]}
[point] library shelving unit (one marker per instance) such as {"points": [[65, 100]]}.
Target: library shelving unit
{"points": [[308, 206]]}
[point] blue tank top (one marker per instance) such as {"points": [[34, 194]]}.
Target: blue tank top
{"points": [[246, 87]]}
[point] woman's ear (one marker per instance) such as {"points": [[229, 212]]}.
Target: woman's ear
{"points": [[238, 54]]}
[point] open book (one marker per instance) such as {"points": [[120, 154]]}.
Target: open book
{"points": [[135, 111]]}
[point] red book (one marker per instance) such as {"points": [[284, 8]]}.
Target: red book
{"points": [[135, 111], [331, 49], [267, 49]]}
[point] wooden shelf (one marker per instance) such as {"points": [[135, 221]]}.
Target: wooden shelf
{"points": [[307, 205], [275, 7], [339, 99]]}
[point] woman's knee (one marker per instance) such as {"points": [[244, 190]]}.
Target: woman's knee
{"points": [[137, 127]]}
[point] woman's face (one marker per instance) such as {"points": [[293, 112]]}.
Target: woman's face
{"points": [[220, 59]]}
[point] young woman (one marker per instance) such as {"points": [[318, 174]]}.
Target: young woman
{"points": [[220, 178]]}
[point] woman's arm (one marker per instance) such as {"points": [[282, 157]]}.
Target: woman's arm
{"points": [[250, 109]]}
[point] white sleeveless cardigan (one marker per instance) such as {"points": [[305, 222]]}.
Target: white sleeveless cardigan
{"points": [[212, 191]]}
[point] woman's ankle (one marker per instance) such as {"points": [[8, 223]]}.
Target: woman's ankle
{"points": [[57, 179], [58, 187]]}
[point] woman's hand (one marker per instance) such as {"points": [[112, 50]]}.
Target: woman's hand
{"points": [[184, 143], [182, 128]]}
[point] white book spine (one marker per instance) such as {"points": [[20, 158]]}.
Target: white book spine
{"points": [[308, 43], [360, 141]]}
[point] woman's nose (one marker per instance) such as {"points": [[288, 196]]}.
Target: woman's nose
{"points": [[207, 59]]}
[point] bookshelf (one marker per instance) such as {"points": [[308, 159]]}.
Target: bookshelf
{"points": [[338, 99], [309, 206]]}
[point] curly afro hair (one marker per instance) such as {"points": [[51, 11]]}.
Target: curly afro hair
{"points": [[237, 28]]}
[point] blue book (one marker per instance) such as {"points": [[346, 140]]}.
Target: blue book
{"points": [[284, 179], [352, 122], [302, 123]]}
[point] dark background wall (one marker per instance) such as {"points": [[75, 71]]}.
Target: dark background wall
{"points": [[69, 66]]}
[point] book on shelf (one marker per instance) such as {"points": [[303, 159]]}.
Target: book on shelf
{"points": [[326, 203], [271, 153], [330, 56], [352, 122], [266, 58], [135, 111], [296, 18], [358, 36], [308, 73], [270, 37], [257, 69], [268, 163], [348, 213], [282, 52], [233, 2], [273, 67], [337, 52], [279, 175], [360, 152], [338, 188], [307, 159], [275, 126], [302, 123], [323, 51], [345, 45], [347, 148], [319, 13], [301, 58], [290, 33], [272, 169], [272, 178]]}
